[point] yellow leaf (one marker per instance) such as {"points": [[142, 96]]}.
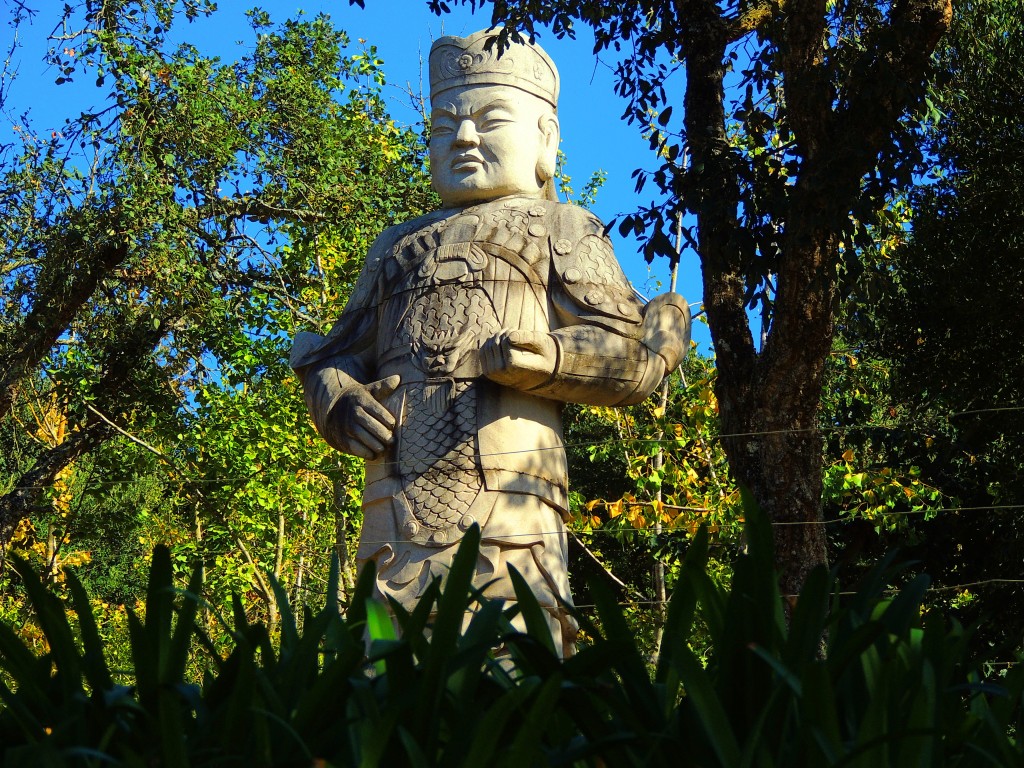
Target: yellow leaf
{"points": [[848, 454]]}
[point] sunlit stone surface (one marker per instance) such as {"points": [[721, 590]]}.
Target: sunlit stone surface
{"points": [[467, 330]]}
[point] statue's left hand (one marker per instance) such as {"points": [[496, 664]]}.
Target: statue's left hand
{"points": [[519, 359]]}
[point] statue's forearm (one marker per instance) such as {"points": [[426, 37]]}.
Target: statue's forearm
{"points": [[598, 367]]}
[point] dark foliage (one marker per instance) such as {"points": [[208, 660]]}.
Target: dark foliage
{"points": [[892, 688]]}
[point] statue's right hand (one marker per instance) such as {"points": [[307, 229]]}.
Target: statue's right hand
{"points": [[360, 424]]}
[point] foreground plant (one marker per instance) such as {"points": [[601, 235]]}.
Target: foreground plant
{"points": [[435, 697], [858, 679]]}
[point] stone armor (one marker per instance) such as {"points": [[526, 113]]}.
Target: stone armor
{"points": [[432, 292]]}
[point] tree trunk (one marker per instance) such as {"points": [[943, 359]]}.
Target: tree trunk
{"points": [[273, 609], [345, 581], [123, 358], [300, 573], [768, 401]]}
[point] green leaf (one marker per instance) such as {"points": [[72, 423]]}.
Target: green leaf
{"points": [[707, 708], [181, 641], [54, 623], [488, 742], [525, 748], [808, 623], [536, 624], [679, 619], [94, 664]]}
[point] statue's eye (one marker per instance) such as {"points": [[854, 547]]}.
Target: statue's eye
{"points": [[492, 122]]}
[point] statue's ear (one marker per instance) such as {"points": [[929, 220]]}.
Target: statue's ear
{"points": [[549, 146]]}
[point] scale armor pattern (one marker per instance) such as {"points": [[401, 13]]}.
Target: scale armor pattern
{"points": [[438, 456], [437, 448]]}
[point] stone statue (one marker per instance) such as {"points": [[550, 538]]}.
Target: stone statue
{"points": [[467, 330]]}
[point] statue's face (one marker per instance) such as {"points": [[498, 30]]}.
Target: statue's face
{"points": [[489, 141]]}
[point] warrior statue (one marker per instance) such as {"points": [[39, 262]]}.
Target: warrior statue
{"points": [[467, 330]]}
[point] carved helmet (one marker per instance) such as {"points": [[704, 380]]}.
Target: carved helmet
{"points": [[475, 60]]}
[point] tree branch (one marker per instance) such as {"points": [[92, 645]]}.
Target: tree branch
{"points": [[246, 207], [20, 501], [125, 433], [809, 94], [597, 561], [715, 195], [57, 302], [261, 584], [897, 55]]}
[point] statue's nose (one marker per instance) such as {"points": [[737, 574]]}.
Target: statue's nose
{"points": [[466, 135]]}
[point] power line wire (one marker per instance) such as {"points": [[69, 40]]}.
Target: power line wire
{"points": [[842, 593], [906, 427], [999, 409]]}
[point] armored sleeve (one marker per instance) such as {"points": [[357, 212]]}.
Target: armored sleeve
{"points": [[612, 348], [328, 365]]}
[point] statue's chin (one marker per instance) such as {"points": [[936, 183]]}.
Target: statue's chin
{"points": [[462, 192]]}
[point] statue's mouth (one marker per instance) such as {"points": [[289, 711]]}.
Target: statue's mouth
{"points": [[466, 163]]}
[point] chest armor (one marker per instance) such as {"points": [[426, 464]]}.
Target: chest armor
{"points": [[450, 287]]}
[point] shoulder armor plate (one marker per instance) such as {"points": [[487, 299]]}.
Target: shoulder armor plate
{"points": [[585, 265]]}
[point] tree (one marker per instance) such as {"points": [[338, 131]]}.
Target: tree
{"points": [[797, 125], [956, 284], [945, 320], [160, 251], [644, 479]]}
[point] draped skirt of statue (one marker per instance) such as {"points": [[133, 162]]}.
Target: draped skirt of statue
{"points": [[518, 530]]}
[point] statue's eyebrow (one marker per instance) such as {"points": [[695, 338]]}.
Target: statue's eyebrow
{"points": [[449, 110], [496, 104], [446, 111]]}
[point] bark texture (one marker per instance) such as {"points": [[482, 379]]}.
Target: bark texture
{"points": [[769, 400], [115, 379], [26, 497], [66, 282]]}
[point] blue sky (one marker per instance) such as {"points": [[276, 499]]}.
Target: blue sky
{"points": [[593, 133]]}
